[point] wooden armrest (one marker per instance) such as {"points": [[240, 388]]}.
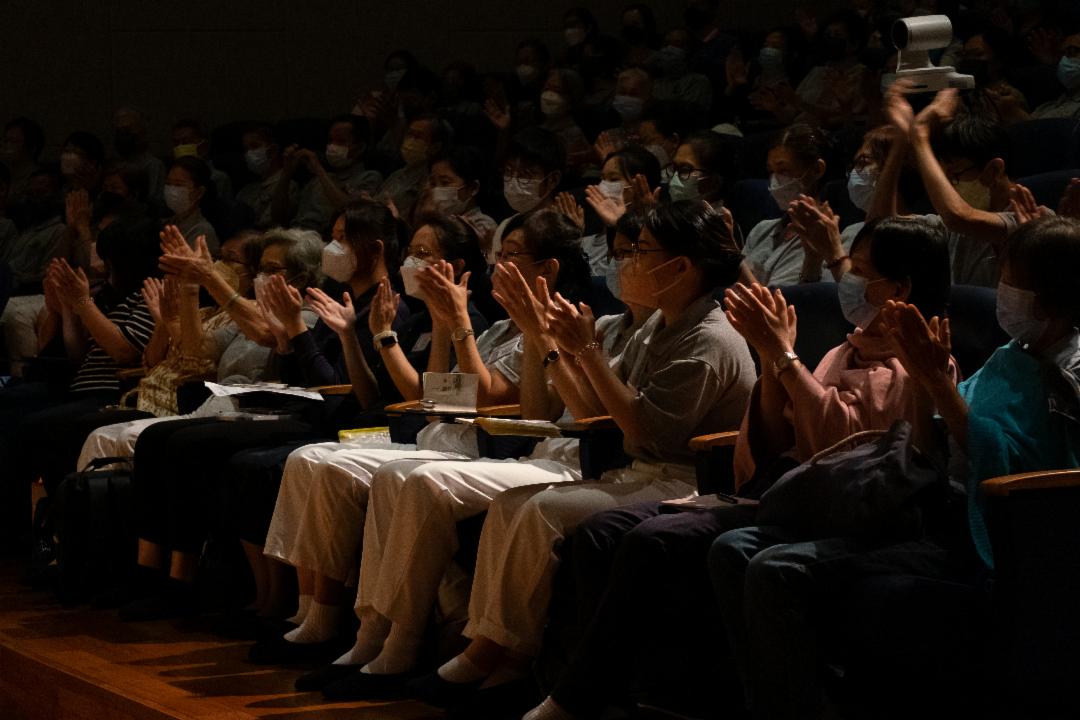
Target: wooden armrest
{"points": [[600, 422], [702, 443], [332, 389], [1044, 480], [402, 407], [131, 373], [500, 411]]}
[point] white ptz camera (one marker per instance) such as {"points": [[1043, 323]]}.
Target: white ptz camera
{"points": [[914, 38]]}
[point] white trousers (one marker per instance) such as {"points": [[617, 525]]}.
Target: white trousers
{"points": [[318, 520], [410, 535], [517, 559], [116, 440]]}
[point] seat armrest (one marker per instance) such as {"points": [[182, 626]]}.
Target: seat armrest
{"points": [[587, 425], [702, 443], [511, 411], [403, 407], [332, 389], [1043, 480]]}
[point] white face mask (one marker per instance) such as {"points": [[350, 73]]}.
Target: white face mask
{"points": [[337, 156], [447, 200], [1016, 314], [410, 269], [860, 188], [338, 262], [257, 160], [574, 36], [259, 283], [69, 163], [612, 188], [552, 104], [859, 311], [521, 194], [178, 199], [785, 190]]}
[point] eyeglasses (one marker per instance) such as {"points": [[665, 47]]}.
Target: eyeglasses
{"points": [[273, 269], [504, 255], [632, 252], [686, 171], [420, 252]]}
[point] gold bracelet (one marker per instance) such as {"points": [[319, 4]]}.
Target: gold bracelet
{"points": [[229, 303], [587, 348]]}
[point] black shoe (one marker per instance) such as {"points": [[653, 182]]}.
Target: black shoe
{"points": [[365, 686], [434, 690], [326, 675], [279, 651], [507, 701]]}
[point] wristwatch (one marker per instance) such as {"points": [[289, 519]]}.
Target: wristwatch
{"points": [[784, 362], [552, 356], [385, 339], [461, 333]]}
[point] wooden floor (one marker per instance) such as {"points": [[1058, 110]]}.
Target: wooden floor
{"points": [[58, 663]]}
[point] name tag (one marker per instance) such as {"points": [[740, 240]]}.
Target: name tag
{"points": [[450, 392], [422, 343]]}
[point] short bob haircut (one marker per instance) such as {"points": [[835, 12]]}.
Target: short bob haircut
{"points": [[908, 248], [1044, 255], [692, 229]]}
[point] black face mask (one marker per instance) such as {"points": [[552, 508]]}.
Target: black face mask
{"points": [[834, 49], [125, 143]]}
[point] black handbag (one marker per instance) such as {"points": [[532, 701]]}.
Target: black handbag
{"points": [[877, 490]]}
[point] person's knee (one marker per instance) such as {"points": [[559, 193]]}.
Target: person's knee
{"points": [[728, 558]]}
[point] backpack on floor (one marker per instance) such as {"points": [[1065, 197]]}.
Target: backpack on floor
{"points": [[96, 540]]}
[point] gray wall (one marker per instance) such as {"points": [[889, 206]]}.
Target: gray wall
{"points": [[69, 63]]}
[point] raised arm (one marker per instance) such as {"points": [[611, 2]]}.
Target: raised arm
{"points": [[341, 318], [957, 215], [75, 289], [527, 310], [197, 266], [165, 331], [449, 303], [574, 329], [768, 323], [924, 349]]}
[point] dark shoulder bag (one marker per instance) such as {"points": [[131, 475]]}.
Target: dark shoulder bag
{"points": [[877, 490]]}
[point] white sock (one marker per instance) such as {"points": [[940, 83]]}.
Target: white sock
{"points": [[369, 640], [548, 710], [302, 610], [460, 669], [321, 624], [502, 675], [398, 653]]}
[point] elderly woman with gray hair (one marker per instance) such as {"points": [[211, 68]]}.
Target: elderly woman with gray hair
{"points": [[235, 341], [181, 464]]}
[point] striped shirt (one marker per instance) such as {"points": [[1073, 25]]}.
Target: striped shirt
{"points": [[98, 370]]}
